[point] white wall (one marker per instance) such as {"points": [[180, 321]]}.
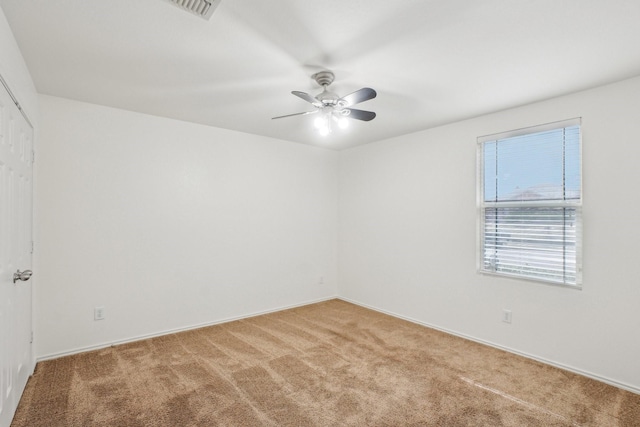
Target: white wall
{"points": [[170, 224], [407, 237]]}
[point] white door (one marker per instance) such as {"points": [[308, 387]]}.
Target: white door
{"points": [[16, 165]]}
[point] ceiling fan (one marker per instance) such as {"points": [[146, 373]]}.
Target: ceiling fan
{"points": [[333, 108]]}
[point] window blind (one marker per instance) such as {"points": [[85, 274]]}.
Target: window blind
{"points": [[531, 204]]}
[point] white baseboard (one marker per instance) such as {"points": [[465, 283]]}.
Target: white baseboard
{"points": [[587, 374], [176, 330]]}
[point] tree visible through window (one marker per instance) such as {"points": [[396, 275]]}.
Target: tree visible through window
{"points": [[530, 203]]}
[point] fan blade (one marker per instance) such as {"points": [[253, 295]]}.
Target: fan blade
{"points": [[360, 114], [361, 95], [310, 99], [295, 114]]}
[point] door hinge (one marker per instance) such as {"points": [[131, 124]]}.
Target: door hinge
{"points": [[32, 246], [33, 156], [31, 337]]}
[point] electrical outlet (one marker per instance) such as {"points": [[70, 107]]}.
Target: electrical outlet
{"points": [[321, 280], [98, 313], [506, 316]]}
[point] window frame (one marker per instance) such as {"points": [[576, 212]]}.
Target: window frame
{"points": [[482, 205]]}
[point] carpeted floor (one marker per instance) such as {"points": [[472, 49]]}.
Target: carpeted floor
{"points": [[326, 364]]}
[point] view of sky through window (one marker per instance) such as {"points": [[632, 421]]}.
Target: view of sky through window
{"points": [[539, 166]]}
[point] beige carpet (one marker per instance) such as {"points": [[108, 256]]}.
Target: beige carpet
{"points": [[326, 364]]}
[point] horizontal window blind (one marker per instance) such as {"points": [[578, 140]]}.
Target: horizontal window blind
{"points": [[538, 243], [530, 204]]}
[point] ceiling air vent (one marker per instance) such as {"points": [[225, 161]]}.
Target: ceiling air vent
{"points": [[202, 8]]}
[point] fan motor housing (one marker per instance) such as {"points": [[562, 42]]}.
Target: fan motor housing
{"points": [[328, 98]]}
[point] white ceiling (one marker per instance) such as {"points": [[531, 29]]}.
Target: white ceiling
{"points": [[431, 61]]}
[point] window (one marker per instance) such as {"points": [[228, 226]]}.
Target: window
{"points": [[530, 198]]}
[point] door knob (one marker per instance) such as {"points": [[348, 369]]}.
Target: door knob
{"points": [[22, 275]]}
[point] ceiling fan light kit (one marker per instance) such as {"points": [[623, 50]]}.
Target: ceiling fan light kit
{"points": [[333, 109]]}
